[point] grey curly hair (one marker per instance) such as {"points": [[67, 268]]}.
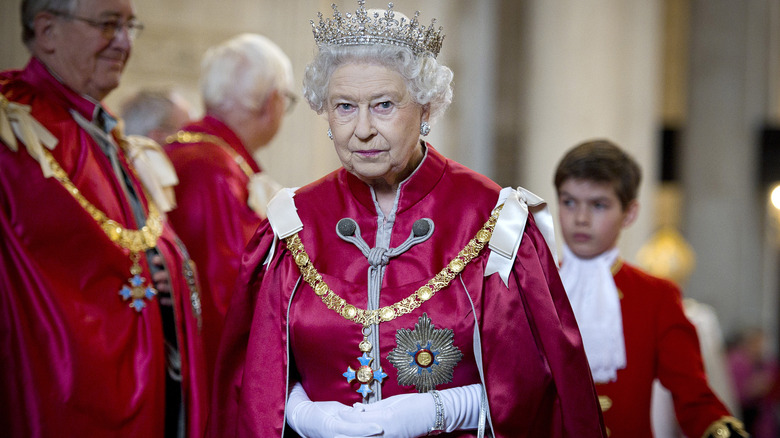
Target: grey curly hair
{"points": [[428, 82]]}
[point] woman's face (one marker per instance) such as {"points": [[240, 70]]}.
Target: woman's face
{"points": [[375, 123]]}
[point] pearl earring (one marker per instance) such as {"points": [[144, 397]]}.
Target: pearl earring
{"points": [[425, 128]]}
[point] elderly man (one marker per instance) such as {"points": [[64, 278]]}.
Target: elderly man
{"points": [[222, 194], [100, 307], [155, 113]]}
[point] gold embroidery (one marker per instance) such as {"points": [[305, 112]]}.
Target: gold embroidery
{"points": [[720, 428]]}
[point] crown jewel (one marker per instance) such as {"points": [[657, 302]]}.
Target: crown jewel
{"points": [[362, 28]]}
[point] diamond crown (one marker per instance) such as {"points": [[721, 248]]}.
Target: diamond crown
{"points": [[362, 28]]}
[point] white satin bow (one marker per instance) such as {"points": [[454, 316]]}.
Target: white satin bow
{"points": [[154, 169], [508, 233]]}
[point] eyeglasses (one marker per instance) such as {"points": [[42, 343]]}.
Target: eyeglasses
{"points": [[291, 100], [109, 29]]}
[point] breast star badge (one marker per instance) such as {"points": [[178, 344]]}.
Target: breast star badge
{"points": [[425, 357]]}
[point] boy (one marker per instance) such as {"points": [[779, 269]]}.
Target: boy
{"points": [[632, 324]]}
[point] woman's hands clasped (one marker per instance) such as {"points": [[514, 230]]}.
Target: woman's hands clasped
{"points": [[400, 416]]}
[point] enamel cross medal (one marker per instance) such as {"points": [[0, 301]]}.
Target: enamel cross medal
{"points": [[135, 288], [365, 374]]}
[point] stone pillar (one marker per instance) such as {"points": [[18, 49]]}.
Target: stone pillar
{"points": [[728, 90], [592, 69], [13, 54]]}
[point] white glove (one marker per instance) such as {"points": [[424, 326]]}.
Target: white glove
{"points": [[400, 416], [322, 420], [461, 407], [413, 415]]}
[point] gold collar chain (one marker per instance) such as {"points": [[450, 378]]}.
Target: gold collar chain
{"points": [[366, 374], [133, 240], [406, 305], [188, 137], [137, 291]]}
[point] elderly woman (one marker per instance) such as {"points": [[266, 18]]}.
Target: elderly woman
{"points": [[403, 294]]}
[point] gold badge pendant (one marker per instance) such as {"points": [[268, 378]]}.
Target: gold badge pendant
{"points": [[135, 289], [425, 357], [365, 374], [133, 241]]}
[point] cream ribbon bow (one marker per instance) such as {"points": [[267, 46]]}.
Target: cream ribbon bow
{"points": [[154, 169], [508, 233], [17, 122], [261, 188]]}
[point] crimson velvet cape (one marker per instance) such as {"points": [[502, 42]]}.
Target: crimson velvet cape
{"points": [[213, 218], [535, 371], [76, 359], [660, 343]]}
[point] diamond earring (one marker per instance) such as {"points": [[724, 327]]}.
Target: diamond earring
{"points": [[425, 128], [330, 134]]}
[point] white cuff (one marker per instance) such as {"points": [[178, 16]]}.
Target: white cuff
{"points": [[461, 407]]}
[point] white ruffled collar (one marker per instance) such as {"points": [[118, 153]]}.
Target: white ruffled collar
{"points": [[594, 298]]}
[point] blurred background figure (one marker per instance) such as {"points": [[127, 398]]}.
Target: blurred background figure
{"points": [[755, 374], [633, 324], [99, 321], [246, 85], [155, 113], [667, 254]]}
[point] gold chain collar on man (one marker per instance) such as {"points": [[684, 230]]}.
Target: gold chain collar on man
{"points": [[136, 290], [188, 137], [408, 304], [133, 240]]}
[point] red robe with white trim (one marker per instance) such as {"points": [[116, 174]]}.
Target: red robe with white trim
{"points": [[76, 359], [535, 372], [213, 218]]}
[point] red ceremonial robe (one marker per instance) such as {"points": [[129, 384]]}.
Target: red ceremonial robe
{"points": [[76, 359], [533, 365], [213, 218], [660, 343]]}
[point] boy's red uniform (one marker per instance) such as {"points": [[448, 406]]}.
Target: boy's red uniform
{"points": [[660, 343]]}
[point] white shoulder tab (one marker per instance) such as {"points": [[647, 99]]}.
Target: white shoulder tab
{"points": [[283, 215], [508, 233], [154, 169], [17, 122]]}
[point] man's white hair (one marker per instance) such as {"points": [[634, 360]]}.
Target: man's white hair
{"points": [[242, 72]]}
